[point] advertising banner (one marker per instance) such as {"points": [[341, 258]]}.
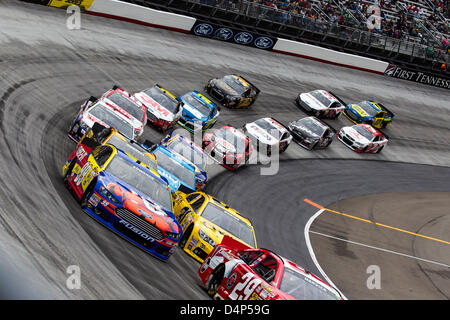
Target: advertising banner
{"points": [[222, 33], [417, 76]]}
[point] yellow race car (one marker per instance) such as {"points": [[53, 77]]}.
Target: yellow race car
{"points": [[103, 135], [205, 220]]}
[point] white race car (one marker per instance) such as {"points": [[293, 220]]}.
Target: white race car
{"points": [[321, 103], [97, 111], [163, 108], [122, 102], [268, 132], [362, 138]]}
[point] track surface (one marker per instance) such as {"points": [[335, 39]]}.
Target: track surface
{"points": [[47, 71]]}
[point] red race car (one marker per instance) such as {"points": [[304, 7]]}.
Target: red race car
{"points": [[229, 146], [233, 271]]}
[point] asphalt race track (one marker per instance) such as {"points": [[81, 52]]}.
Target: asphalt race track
{"points": [[47, 71]]}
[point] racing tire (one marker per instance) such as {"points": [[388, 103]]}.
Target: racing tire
{"points": [[379, 150], [87, 193], [68, 172], [216, 280], [186, 236]]}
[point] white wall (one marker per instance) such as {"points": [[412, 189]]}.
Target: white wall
{"points": [[142, 14], [330, 56]]}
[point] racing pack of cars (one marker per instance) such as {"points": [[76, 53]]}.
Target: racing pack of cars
{"points": [[152, 194]]}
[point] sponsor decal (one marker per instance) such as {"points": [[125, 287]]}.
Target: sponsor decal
{"points": [[231, 280], [224, 34], [264, 42], [243, 38], [417, 76], [203, 29], [230, 34], [136, 230]]}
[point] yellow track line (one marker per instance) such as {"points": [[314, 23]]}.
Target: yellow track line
{"points": [[372, 222]]}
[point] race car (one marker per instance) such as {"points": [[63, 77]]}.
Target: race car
{"points": [[123, 195], [206, 220], [312, 133], [198, 112], [122, 101], [179, 171], [97, 111], [229, 146], [232, 91], [163, 109], [104, 135], [233, 271], [362, 138], [183, 146], [370, 112], [268, 132], [321, 103]]}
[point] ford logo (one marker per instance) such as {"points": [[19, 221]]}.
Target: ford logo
{"points": [[263, 42], [243, 38], [203, 30], [224, 34]]}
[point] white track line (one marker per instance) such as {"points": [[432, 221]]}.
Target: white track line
{"points": [[311, 252], [381, 249]]}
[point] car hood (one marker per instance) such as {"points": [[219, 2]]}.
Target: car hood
{"points": [[223, 146], [355, 135], [141, 205], [192, 113], [226, 88], [304, 130], [261, 134], [154, 107], [312, 102], [359, 111]]}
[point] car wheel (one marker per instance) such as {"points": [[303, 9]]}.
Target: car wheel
{"points": [[87, 194], [186, 236], [379, 150], [216, 280], [68, 172]]}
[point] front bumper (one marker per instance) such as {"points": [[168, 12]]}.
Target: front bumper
{"points": [[103, 212]]}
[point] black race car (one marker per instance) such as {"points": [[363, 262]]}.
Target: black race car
{"points": [[312, 133], [232, 91]]}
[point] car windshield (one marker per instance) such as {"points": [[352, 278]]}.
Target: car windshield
{"points": [[163, 99], [228, 222], [323, 99], [364, 132], [197, 104], [301, 287], [141, 180], [133, 150], [311, 125], [233, 139], [197, 157], [111, 119], [365, 105], [129, 106], [175, 168], [269, 127], [235, 84]]}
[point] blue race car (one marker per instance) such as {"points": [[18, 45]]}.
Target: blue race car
{"points": [[179, 172], [124, 196], [198, 112], [369, 112], [193, 153]]}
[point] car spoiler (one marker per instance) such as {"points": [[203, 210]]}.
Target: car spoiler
{"points": [[233, 244], [384, 134], [254, 87], [339, 99], [386, 109]]}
